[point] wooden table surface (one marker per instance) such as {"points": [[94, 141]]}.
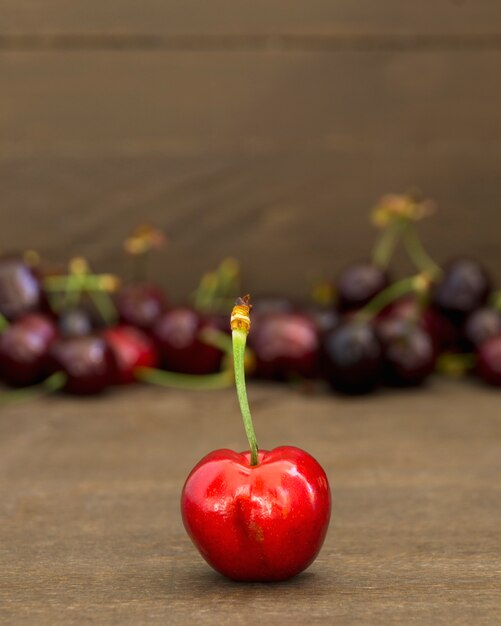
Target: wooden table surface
{"points": [[90, 527]]}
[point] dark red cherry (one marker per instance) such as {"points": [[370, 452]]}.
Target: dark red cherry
{"points": [[358, 284], [352, 357], [87, 362], [177, 336], [285, 345], [481, 325], [19, 288], [444, 334], [488, 361], [23, 348], [408, 352], [131, 349], [140, 304], [464, 287]]}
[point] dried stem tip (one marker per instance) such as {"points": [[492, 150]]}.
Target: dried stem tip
{"points": [[240, 316]]}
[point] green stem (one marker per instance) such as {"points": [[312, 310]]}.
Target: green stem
{"points": [[221, 380], [418, 255], [387, 296], [217, 339], [386, 244], [239, 340], [105, 306], [4, 323], [50, 385]]}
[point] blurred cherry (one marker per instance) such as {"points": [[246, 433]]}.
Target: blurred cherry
{"points": [[87, 362], [131, 349], [488, 362], [23, 348], [285, 345], [408, 352], [464, 287], [19, 288], [481, 325], [140, 304], [352, 357], [359, 283], [177, 336]]}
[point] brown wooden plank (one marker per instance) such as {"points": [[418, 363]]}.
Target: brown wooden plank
{"points": [[273, 158], [91, 103], [290, 220], [242, 17], [91, 530]]}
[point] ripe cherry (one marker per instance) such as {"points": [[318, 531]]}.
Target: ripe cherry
{"points": [[481, 325], [408, 352], [177, 334], [87, 363], [140, 304], [359, 283], [257, 515], [352, 357], [488, 362], [285, 345], [131, 349], [464, 287], [19, 288], [23, 349]]}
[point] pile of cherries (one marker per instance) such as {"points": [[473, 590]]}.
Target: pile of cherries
{"points": [[82, 332]]}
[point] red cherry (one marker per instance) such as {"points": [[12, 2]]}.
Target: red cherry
{"points": [[488, 362], [285, 344], [140, 304], [131, 349], [257, 523], [177, 335], [87, 362], [359, 283], [23, 349]]}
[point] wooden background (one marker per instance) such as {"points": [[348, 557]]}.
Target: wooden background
{"points": [[261, 129]]}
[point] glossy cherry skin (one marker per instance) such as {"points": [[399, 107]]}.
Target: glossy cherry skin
{"points": [[481, 325], [131, 349], [23, 349], [352, 358], [87, 362], [408, 352], [358, 284], [261, 523], [177, 336], [488, 361], [285, 345], [464, 287], [140, 304], [19, 288]]}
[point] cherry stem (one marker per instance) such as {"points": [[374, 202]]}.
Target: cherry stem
{"points": [[454, 364], [418, 255], [50, 385], [175, 380], [4, 323], [240, 324], [412, 284], [386, 244]]}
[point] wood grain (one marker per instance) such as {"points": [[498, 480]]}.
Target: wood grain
{"points": [[289, 219], [96, 104], [243, 17], [90, 527]]}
